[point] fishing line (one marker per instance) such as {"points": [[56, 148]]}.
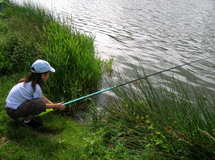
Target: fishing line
{"points": [[145, 77]]}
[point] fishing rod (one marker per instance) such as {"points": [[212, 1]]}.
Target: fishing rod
{"points": [[145, 77]]}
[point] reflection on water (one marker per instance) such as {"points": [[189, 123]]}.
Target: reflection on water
{"points": [[153, 35]]}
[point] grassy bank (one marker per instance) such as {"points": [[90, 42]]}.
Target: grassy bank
{"points": [[61, 138], [145, 124], [28, 33]]}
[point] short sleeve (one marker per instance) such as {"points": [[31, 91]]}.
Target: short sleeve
{"points": [[38, 92]]}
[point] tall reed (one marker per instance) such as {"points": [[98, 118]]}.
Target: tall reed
{"points": [[73, 56], [176, 123]]}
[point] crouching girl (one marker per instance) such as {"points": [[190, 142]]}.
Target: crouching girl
{"points": [[25, 100]]}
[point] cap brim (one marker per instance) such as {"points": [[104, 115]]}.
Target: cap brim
{"points": [[52, 69]]}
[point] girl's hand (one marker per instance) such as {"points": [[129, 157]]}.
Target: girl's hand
{"points": [[60, 106]]}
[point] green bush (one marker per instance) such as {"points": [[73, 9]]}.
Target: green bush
{"points": [[19, 37], [17, 54]]}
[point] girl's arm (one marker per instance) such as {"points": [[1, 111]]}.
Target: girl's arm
{"points": [[50, 104], [59, 106], [46, 100]]}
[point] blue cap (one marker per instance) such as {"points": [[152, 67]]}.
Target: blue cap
{"points": [[41, 66]]}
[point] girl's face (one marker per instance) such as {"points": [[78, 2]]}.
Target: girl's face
{"points": [[45, 76]]}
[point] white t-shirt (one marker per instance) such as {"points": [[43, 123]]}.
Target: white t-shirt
{"points": [[22, 92]]}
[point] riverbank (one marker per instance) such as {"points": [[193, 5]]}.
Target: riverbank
{"points": [[62, 139], [28, 33], [148, 123]]}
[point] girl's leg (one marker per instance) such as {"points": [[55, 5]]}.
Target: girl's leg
{"points": [[31, 108], [28, 109]]}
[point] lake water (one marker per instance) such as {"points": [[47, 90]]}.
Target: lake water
{"points": [[153, 35]]}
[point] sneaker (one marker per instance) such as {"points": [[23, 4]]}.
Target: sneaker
{"points": [[33, 123]]}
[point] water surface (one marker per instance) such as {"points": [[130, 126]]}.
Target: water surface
{"points": [[153, 35]]}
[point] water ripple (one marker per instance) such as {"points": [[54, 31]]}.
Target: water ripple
{"points": [[154, 35]]}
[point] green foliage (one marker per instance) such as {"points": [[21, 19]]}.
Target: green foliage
{"points": [[28, 33], [98, 150], [148, 123], [107, 66], [172, 124], [72, 54], [3, 3], [19, 37], [17, 54], [3, 27], [27, 19], [61, 138], [126, 124]]}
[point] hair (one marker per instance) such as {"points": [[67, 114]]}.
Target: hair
{"points": [[36, 78]]}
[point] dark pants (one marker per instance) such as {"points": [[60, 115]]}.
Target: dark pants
{"points": [[29, 108]]}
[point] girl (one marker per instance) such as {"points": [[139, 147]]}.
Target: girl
{"points": [[25, 99]]}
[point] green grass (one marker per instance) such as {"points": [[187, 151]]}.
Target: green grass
{"points": [[72, 54], [107, 66], [28, 33], [162, 123], [62, 138], [150, 123]]}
